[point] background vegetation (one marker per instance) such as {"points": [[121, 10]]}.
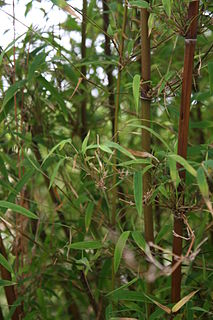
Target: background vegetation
{"points": [[92, 176]]}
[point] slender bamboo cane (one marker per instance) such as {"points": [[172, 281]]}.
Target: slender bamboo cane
{"points": [[9, 290], [1, 314], [146, 102], [146, 138], [117, 105], [83, 71], [190, 42], [109, 68]]}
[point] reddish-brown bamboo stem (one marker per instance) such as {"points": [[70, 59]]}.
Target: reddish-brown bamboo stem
{"points": [[9, 290], [190, 42], [146, 138], [109, 69]]}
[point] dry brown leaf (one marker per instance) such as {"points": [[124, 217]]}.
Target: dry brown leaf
{"points": [[142, 154], [71, 11], [180, 303], [76, 88]]}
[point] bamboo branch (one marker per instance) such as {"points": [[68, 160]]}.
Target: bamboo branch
{"points": [[190, 42]]}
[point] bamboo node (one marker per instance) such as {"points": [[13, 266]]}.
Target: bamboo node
{"points": [[190, 40]]}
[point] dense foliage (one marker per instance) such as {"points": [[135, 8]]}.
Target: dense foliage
{"points": [[71, 189]]}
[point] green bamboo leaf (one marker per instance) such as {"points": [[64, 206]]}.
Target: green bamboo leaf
{"points": [[3, 169], [55, 171], [36, 64], [6, 283], [88, 215], [202, 183], [152, 132], [10, 45], [126, 285], [110, 31], [163, 231], [139, 4], [139, 240], [17, 208], [136, 90], [117, 146], [167, 4], [164, 308], [84, 143], [60, 146], [184, 163], [69, 72], [128, 295], [12, 91], [136, 161], [183, 301], [119, 249], [151, 22], [84, 245], [210, 70], [5, 263], [173, 172], [138, 191], [105, 148], [54, 92]]}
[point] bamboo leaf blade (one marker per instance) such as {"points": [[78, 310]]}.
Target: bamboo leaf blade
{"points": [[136, 90], [6, 264], [86, 245], [119, 249], [138, 191], [183, 301], [16, 208]]}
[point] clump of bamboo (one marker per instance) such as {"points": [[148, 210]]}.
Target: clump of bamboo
{"points": [[190, 42]]}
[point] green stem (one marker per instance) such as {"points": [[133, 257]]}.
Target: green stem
{"points": [[117, 106]]}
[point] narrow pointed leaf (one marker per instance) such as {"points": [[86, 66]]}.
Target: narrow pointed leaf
{"points": [[5, 263], [202, 183], [210, 70], [167, 4], [165, 308], [84, 143], [16, 208], [183, 301], [139, 240], [12, 91], [119, 249], [83, 245], [139, 4], [184, 163], [136, 90], [88, 215], [173, 171], [60, 146], [6, 283], [117, 146], [55, 171]]}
